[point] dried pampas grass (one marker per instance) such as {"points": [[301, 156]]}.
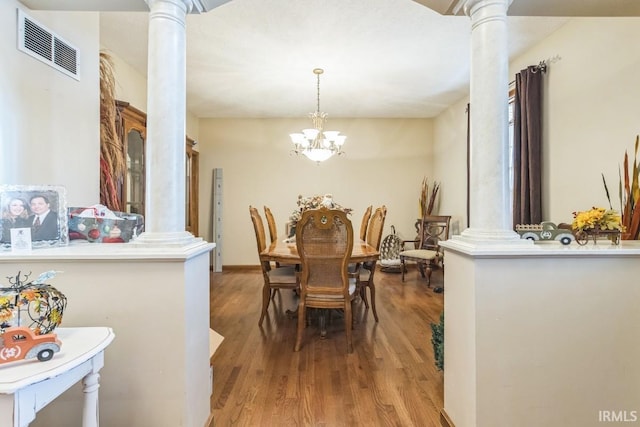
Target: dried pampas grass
{"points": [[112, 163]]}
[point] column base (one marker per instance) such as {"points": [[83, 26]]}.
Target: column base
{"points": [[166, 239]]}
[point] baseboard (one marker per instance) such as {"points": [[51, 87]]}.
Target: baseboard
{"points": [[240, 268], [445, 421]]}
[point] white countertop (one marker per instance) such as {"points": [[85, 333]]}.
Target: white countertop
{"points": [[105, 251], [519, 248]]}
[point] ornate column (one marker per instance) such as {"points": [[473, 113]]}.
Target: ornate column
{"points": [[166, 125], [489, 193]]}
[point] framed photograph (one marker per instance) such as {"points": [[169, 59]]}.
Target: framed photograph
{"points": [[40, 208]]}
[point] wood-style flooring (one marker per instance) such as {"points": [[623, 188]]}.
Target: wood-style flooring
{"points": [[390, 379]]}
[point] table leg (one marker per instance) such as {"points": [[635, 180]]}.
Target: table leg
{"points": [[90, 415], [323, 323]]}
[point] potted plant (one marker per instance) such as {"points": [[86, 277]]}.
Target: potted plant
{"points": [[437, 339]]}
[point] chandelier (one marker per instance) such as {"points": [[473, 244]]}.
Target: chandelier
{"points": [[316, 143]]}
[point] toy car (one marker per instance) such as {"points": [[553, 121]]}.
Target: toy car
{"points": [[546, 230], [21, 343]]}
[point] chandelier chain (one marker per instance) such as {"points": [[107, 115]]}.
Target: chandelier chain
{"points": [[318, 86]]}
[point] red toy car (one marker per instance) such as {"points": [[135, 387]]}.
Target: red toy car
{"points": [[21, 343]]}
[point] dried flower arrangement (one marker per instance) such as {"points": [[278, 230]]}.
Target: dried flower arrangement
{"points": [[112, 162], [427, 199], [314, 202], [597, 219], [629, 195]]}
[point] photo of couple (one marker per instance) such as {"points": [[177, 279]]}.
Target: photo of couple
{"points": [[37, 210]]}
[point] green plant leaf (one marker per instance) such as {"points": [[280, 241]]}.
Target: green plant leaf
{"points": [[606, 190]]}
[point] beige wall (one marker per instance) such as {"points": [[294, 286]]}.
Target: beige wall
{"points": [[450, 163], [385, 162], [131, 86], [49, 122], [592, 111]]}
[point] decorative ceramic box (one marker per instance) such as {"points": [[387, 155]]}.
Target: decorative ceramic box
{"points": [[100, 225]]}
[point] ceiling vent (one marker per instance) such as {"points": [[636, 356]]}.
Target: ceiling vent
{"points": [[39, 42]]}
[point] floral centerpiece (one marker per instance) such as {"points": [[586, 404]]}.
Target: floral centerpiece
{"points": [[313, 202], [596, 221], [597, 218]]}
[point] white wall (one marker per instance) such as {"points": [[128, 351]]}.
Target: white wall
{"points": [[385, 162], [592, 115], [49, 122], [154, 374], [550, 341]]}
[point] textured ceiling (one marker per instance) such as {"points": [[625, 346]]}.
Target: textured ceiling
{"points": [[543, 7], [382, 58]]}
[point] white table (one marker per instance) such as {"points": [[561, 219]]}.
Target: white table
{"points": [[28, 386]]}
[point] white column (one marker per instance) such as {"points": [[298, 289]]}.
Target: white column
{"points": [[166, 125], [490, 217]]}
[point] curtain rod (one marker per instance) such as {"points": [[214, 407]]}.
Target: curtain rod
{"points": [[542, 66]]}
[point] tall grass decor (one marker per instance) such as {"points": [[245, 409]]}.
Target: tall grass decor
{"points": [[628, 194], [111, 147]]}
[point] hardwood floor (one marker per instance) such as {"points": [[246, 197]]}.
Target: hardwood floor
{"points": [[390, 379]]}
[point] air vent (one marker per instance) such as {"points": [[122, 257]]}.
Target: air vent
{"points": [[39, 42]]}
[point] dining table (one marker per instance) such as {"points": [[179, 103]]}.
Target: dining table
{"points": [[285, 251]]}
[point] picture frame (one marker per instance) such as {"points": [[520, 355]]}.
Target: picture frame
{"points": [[21, 204]]}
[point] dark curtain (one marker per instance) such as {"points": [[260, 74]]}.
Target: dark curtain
{"points": [[468, 164], [527, 147]]}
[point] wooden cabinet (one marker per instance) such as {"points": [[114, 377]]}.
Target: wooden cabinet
{"points": [[191, 202], [131, 126]]}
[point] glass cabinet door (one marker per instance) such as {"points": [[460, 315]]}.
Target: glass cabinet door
{"points": [[134, 194], [132, 128]]}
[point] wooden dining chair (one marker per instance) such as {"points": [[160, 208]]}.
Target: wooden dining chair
{"points": [[324, 239], [427, 252], [274, 278], [271, 224], [365, 223], [273, 234], [368, 269]]}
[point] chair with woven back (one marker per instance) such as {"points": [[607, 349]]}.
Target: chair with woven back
{"points": [[427, 252], [367, 269], [274, 278], [324, 239], [365, 223]]}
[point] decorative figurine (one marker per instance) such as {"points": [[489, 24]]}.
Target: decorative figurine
{"points": [[21, 343]]}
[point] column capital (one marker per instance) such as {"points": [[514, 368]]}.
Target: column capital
{"points": [[192, 6], [183, 5], [469, 6]]}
